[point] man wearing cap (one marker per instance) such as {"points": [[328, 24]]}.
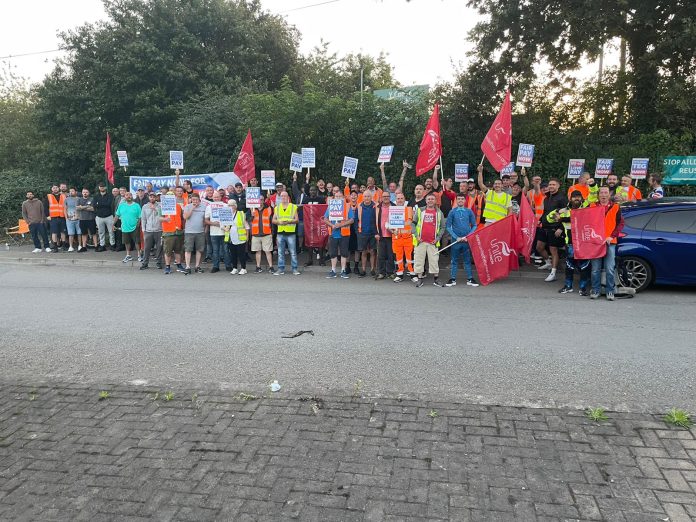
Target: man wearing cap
{"points": [[141, 198], [103, 209], [240, 197]]}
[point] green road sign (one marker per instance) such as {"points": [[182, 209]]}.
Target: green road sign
{"points": [[679, 170]]}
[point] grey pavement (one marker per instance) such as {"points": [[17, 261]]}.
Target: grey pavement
{"points": [[515, 342], [148, 453]]}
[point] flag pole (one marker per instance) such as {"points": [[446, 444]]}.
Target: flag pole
{"points": [[442, 174]]}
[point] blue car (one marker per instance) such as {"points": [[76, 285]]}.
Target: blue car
{"points": [[659, 245]]}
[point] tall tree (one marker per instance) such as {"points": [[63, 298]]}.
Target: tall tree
{"points": [[660, 38], [130, 74]]}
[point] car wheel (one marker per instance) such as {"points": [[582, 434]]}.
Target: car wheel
{"points": [[637, 273]]}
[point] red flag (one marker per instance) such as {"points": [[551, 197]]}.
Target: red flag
{"points": [[526, 229], [245, 168], [108, 162], [589, 235], [431, 145], [497, 145], [316, 231], [493, 251]]}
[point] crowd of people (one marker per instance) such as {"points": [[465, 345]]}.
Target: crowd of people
{"points": [[438, 214]]}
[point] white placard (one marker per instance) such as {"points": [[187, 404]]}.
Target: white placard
{"points": [[397, 217], [168, 205], [350, 167], [296, 162], [309, 157], [461, 172], [268, 181], [385, 154], [176, 159], [253, 197], [122, 158]]}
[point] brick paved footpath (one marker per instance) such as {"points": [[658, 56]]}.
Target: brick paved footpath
{"points": [[66, 455]]}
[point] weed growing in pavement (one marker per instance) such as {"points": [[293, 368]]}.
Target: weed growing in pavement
{"points": [[104, 395], [677, 417], [433, 414], [32, 395], [155, 396], [168, 396], [596, 414], [357, 388], [247, 397]]}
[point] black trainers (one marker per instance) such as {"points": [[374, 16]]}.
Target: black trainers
{"points": [[180, 268], [583, 292], [143, 267], [565, 290], [199, 270], [419, 283], [214, 270], [362, 274], [451, 282], [471, 282], [258, 270], [187, 271], [437, 283]]}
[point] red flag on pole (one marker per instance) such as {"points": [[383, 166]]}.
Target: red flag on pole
{"points": [[587, 229], [245, 168], [497, 145], [316, 231], [493, 251], [108, 162], [527, 225], [431, 144]]}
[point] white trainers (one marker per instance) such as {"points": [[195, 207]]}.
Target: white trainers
{"points": [[36, 251], [48, 250], [71, 249], [550, 277], [242, 271], [546, 266], [127, 259], [234, 271]]}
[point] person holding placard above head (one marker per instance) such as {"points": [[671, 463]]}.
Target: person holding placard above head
{"points": [[402, 239], [338, 217], [217, 236], [461, 222], [194, 233], [236, 236], [285, 218], [498, 203], [385, 253], [392, 188], [430, 226], [587, 187]]}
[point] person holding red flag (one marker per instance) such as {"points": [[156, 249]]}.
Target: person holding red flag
{"points": [[108, 162], [497, 145], [613, 224]]}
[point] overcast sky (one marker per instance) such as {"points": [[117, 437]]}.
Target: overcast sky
{"points": [[422, 37]]}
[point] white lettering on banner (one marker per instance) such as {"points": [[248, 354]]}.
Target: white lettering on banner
{"points": [[435, 145], [525, 154], [588, 234], [461, 172], [253, 197], [336, 210], [498, 250]]}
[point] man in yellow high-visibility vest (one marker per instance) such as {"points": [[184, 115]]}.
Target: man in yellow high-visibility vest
{"points": [[498, 202]]}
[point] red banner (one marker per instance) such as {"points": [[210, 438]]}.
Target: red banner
{"points": [[245, 168], [497, 145], [587, 229], [316, 233], [431, 144], [526, 229], [493, 251], [108, 162]]}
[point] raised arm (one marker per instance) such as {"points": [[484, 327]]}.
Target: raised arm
{"points": [[481, 184], [385, 185], [406, 166], [525, 180], [436, 183]]}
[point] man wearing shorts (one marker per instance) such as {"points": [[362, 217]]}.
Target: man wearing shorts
{"points": [[55, 215], [128, 212], [262, 235], [194, 232], [87, 217], [173, 239], [551, 234], [367, 232], [339, 239], [72, 223]]}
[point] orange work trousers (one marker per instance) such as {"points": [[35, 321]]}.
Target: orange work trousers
{"points": [[402, 247]]}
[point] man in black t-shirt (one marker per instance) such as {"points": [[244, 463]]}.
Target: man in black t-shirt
{"points": [[551, 234]]}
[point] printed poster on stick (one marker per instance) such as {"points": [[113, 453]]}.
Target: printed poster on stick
{"points": [[397, 217], [168, 205], [575, 167], [225, 216], [604, 167], [336, 210], [639, 168], [253, 197], [176, 159], [122, 158], [296, 162], [525, 155], [461, 172], [268, 181], [309, 157], [350, 167], [385, 154]]}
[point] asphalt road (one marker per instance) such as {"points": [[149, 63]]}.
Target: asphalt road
{"points": [[516, 342]]}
